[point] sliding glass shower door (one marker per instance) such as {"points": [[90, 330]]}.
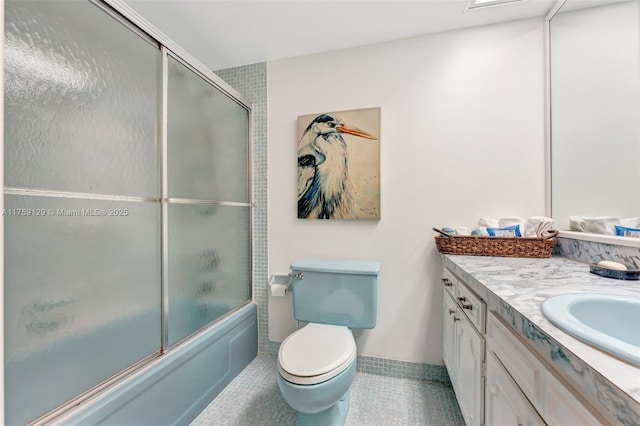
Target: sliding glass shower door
{"points": [[82, 211], [209, 248], [127, 209]]}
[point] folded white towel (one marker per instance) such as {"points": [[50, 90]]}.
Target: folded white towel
{"points": [[487, 222], [462, 230], [537, 226], [630, 222], [503, 222], [483, 230], [577, 223], [602, 224]]}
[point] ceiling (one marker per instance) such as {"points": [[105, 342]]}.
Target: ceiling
{"points": [[224, 34]]}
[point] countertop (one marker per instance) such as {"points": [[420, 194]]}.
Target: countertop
{"points": [[516, 287]]}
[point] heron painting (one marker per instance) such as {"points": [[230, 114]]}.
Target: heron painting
{"points": [[339, 165]]}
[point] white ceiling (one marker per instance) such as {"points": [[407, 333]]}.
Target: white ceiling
{"points": [[224, 34]]}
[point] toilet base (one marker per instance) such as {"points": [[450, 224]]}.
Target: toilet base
{"points": [[336, 415]]}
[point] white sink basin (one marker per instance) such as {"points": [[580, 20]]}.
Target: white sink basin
{"points": [[610, 323]]}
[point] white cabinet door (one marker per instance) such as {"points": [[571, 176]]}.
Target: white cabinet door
{"points": [[562, 407], [448, 334], [554, 399], [506, 405], [470, 381]]}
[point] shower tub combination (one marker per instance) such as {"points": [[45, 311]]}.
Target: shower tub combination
{"points": [[128, 243]]}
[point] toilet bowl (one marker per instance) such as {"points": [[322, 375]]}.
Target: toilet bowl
{"points": [[317, 363], [316, 366]]}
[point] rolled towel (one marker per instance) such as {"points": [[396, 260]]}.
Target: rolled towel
{"points": [[546, 225], [536, 226], [532, 225]]}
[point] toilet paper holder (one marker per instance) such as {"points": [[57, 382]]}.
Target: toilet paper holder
{"points": [[279, 284]]}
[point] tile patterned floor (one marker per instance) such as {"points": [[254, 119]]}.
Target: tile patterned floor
{"points": [[253, 398]]}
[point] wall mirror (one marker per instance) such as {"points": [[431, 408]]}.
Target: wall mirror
{"points": [[595, 110]]}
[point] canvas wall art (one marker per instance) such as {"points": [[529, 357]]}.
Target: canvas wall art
{"points": [[339, 165]]}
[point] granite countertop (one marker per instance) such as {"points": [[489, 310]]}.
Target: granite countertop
{"points": [[516, 287]]}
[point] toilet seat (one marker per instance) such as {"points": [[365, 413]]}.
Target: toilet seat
{"points": [[316, 353]]}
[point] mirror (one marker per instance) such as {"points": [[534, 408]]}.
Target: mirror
{"points": [[595, 110]]}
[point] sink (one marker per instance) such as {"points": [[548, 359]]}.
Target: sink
{"points": [[610, 323]]}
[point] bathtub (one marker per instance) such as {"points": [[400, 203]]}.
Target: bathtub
{"points": [[172, 389]]}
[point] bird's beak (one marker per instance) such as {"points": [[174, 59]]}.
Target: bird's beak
{"points": [[354, 131]]}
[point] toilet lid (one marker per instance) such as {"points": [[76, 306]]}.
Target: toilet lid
{"points": [[317, 349]]}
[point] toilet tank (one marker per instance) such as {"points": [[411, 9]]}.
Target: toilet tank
{"points": [[337, 292]]}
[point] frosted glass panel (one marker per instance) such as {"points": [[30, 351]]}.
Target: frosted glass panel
{"points": [[83, 276], [82, 296], [209, 265], [207, 140], [81, 101]]}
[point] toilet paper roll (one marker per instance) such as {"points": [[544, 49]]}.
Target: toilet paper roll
{"points": [[278, 290]]}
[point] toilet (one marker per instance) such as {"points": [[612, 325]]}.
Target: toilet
{"points": [[317, 363]]}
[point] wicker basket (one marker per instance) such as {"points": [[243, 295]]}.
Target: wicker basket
{"points": [[496, 246]]}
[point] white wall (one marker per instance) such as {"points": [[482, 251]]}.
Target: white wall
{"points": [[461, 138]]}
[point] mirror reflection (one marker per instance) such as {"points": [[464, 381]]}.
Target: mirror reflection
{"points": [[595, 113]]}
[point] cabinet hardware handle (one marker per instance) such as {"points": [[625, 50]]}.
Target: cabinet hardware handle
{"points": [[456, 319], [468, 306], [447, 282], [452, 311], [462, 299]]}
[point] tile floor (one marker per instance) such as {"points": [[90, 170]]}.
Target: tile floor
{"points": [[253, 398]]}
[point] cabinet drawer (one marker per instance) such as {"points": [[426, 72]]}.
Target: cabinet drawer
{"points": [[449, 282], [473, 307]]}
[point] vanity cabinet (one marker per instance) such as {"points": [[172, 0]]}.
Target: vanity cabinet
{"points": [[464, 316], [497, 377]]}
